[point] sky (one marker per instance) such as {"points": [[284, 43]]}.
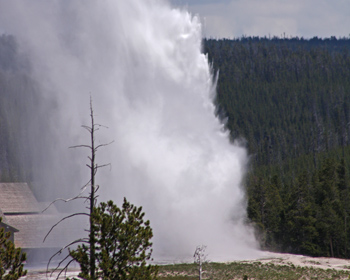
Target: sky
{"points": [[289, 18]]}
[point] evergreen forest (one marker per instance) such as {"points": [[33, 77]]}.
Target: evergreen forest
{"points": [[289, 100], [286, 99]]}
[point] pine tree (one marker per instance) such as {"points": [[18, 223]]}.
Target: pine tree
{"points": [[122, 243], [11, 258], [301, 233]]}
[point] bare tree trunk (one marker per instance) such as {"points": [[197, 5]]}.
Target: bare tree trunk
{"points": [[331, 246], [345, 239], [199, 258], [92, 198]]}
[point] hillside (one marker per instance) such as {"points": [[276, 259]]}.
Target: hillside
{"points": [[290, 99], [286, 97]]}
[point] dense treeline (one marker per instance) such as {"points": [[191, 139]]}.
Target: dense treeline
{"points": [[290, 100], [308, 216], [285, 100]]}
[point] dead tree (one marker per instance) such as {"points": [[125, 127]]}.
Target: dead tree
{"points": [[90, 198], [200, 258]]}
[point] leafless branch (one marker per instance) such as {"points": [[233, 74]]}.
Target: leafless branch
{"points": [[56, 268], [97, 188], [80, 146], [103, 145], [103, 165], [64, 269], [68, 199], [87, 184], [80, 240], [101, 125], [67, 217], [88, 128]]}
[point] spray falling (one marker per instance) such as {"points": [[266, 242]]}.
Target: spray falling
{"points": [[142, 63]]}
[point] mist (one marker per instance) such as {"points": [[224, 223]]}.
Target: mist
{"points": [[150, 84]]}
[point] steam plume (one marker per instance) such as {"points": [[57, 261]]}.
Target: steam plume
{"points": [[142, 63]]}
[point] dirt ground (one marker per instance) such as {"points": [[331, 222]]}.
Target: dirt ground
{"points": [[268, 257], [299, 260]]}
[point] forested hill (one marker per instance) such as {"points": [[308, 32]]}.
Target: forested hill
{"points": [[286, 97], [290, 100]]}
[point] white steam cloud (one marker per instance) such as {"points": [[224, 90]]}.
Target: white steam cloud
{"points": [[141, 62]]}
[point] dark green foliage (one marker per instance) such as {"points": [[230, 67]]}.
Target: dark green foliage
{"points": [[123, 244], [290, 99], [309, 216], [286, 97], [11, 258]]}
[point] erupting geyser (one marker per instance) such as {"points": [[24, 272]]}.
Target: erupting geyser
{"points": [[141, 62]]}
